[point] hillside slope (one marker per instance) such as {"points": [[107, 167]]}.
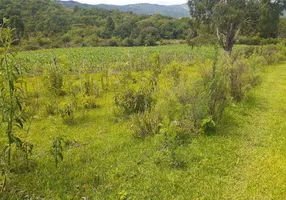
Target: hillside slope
{"points": [[176, 11]]}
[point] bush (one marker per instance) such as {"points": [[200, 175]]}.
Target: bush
{"points": [[255, 40], [193, 98], [44, 42], [150, 40], [207, 126], [272, 54], [53, 80], [132, 101], [173, 71], [67, 113], [237, 82], [90, 87], [51, 107], [89, 102], [247, 51], [31, 44], [77, 41], [127, 42], [257, 61], [203, 40], [269, 41], [146, 123], [92, 40], [113, 42]]}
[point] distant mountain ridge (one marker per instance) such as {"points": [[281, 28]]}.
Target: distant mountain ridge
{"points": [[175, 11]]}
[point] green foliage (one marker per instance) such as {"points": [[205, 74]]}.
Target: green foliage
{"points": [[109, 27], [51, 107], [207, 126], [53, 79], [229, 19], [90, 87], [192, 93], [255, 40], [11, 95], [269, 18], [48, 24], [203, 39], [57, 150], [236, 81], [146, 123], [134, 101], [272, 54], [89, 102], [67, 113], [282, 28]]}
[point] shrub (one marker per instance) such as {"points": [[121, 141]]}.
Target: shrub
{"points": [[203, 40], [247, 51], [90, 87], [207, 126], [268, 41], [89, 102], [128, 42], [216, 89], [146, 123], [255, 40], [51, 108], [67, 113], [244, 74], [44, 42], [134, 96], [150, 40], [66, 38], [77, 41], [92, 40], [193, 97], [174, 71], [53, 80], [272, 55], [257, 61], [31, 44], [132, 101], [113, 42], [236, 81]]}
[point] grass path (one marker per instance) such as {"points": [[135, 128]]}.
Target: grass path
{"points": [[261, 169]]}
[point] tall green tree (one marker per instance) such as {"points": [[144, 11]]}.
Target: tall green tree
{"points": [[269, 19], [228, 17], [109, 27]]}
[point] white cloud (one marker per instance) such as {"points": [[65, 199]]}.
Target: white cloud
{"points": [[124, 2]]}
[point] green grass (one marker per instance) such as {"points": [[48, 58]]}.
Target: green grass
{"points": [[107, 57], [245, 159], [261, 172]]}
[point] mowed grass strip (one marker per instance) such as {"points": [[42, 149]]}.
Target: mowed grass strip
{"points": [[262, 171]]}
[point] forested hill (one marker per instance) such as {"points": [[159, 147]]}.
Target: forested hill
{"points": [[46, 23], [176, 11]]}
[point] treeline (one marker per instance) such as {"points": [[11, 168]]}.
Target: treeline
{"points": [[46, 23]]}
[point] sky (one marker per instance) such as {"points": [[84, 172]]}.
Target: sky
{"points": [[124, 2]]}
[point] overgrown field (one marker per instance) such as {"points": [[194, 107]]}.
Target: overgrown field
{"points": [[166, 122]]}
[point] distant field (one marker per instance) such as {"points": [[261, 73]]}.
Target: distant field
{"points": [[96, 57]]}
